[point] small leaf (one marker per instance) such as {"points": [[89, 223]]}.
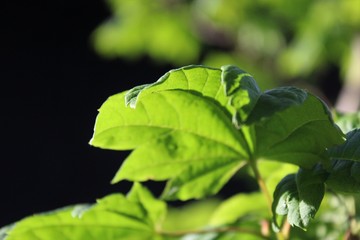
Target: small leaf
{"points": [[299, 197], [243, 91]]}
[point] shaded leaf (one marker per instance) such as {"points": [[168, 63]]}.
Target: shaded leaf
{"points": [[345, 164], [243, 91], [299, 197], [288, 124], [299, 134], [349, 150], [344, 176]]}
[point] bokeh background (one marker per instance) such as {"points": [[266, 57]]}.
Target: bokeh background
{"points": [[61, 60]]}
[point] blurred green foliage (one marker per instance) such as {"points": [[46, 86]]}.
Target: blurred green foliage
{"points": [[276, 40]]}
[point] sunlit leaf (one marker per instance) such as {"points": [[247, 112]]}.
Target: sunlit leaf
{"points": [[197, 126], [113, 217], [197, 160]]}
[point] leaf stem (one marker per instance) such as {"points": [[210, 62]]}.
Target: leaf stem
{"points": [[262, 185], [213, 230], [265, 191]]}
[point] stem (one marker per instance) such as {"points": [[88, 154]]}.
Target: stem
{"points": [[213, 230], [265, 191], [262, 185]]}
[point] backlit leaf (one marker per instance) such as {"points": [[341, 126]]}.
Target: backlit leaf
{"points": [[197, 126], [113, 217]]}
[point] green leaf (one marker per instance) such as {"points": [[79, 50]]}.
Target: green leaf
{"points": [[189, 154], [197, 126], [113, 217], [154, 208], [243, 91], [239, 206], [349, 150], [299, 197], [347, 121], [199, 153], [345, 164], [344, 176], [299, 134], [289, 124], [190, 217], [203, 80]]}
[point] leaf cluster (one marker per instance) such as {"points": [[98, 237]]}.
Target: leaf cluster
{"points": [[196, 128]]}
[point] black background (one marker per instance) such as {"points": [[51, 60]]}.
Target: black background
{"points": [[52, 84]]}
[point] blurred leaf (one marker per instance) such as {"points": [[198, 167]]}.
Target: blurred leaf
{"points": [[239, 206], [273, 172], [147, 28], [200, 212], [348, 122]]}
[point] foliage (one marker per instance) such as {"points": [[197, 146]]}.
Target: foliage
{"points": [[198, 127], [274, 39]]}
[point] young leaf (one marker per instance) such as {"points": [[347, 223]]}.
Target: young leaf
{"points": [[113, 217], [243, 91], [299, 197]]}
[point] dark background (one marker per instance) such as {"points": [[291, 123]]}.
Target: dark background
{"points": [[52, 84]]}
